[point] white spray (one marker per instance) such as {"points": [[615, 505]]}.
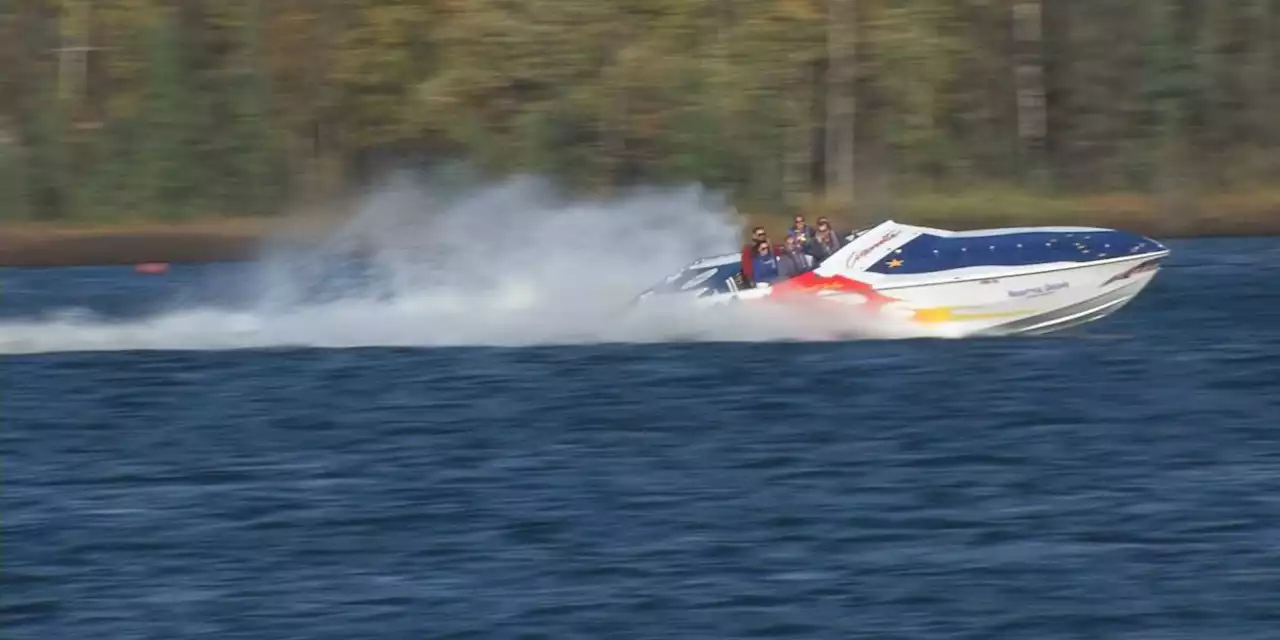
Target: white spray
{"points": [[516, 263]]}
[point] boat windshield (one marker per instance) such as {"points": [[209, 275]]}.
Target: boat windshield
{"points": [[859, 232]]}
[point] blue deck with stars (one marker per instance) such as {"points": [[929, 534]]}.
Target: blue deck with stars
{"points": [[929, 253]]}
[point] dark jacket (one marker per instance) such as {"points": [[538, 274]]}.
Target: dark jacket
{"points": [[792, 263], [764, 268], [821, 246]]}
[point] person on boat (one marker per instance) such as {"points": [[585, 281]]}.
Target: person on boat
{"points": [[758, 235], [800, 231], [764, 264], [792, 260], [824, 242]]}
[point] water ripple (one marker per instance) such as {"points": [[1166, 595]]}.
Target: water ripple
{"points": [[1118, 483]]}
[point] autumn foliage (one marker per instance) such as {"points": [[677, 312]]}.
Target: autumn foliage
{"points": [[114, 109]]}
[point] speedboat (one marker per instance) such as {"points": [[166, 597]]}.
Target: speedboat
{"points": [[939, 283]]}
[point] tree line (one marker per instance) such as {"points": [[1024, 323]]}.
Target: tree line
{"points": [[114, 108]]}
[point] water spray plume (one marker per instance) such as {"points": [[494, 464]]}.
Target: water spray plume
{"points": [[421, 264]]}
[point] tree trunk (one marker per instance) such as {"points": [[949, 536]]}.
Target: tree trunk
{"points": [[1058, 115], [1029, 81], [798, 134], [1269, 66], [841, 102], [1177, 185]]}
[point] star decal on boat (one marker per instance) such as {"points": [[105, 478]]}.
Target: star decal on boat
{"points": [[895, 263]]}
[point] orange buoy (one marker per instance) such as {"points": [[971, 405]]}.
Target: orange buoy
{"points": [[152, 267]]}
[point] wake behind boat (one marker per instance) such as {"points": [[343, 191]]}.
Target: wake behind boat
{"points": [[934, 282]]}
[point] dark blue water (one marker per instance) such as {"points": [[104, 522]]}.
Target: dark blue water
{"points": [[1118, 482]]}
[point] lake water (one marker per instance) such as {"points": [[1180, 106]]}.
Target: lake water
{"points": [[180, 463]]}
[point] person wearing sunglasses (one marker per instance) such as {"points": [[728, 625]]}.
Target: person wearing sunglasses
{"points": [[800, 231], [765, 267], [825, 241], [792, 260], [758, 235]]}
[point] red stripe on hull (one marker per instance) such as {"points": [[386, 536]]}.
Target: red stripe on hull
{"points": [[810, 284]]}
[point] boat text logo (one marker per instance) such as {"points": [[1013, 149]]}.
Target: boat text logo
{"points": [[853, 259], [1036, 292]]}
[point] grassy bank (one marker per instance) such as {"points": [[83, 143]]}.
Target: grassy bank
{"points": [[228, 238], [138, 241]]}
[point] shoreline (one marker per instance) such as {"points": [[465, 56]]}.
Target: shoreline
{"points": [[132, 243], [244, 239]]}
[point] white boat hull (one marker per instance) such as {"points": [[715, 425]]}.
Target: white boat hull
{"points": [[1032, 303], [983, 292]]}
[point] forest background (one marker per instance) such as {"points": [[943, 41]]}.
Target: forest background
{"points": [[1156, 115]]}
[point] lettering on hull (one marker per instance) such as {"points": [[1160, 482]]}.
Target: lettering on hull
{"points": [[853, 259], [1036, 292]]}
